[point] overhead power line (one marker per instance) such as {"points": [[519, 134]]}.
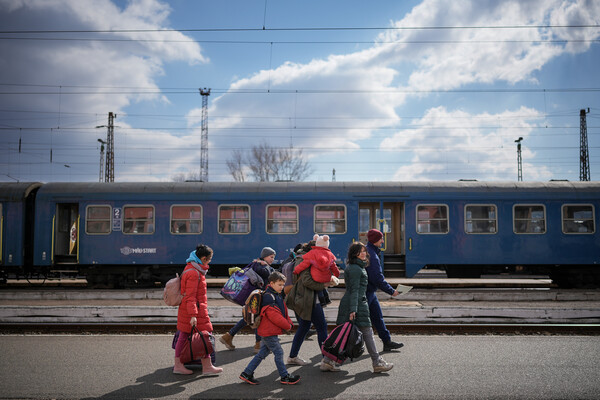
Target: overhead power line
{"points": [[306, 29]]}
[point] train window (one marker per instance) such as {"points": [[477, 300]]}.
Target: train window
{"points": [[186, 219], [97, 220], [529, 218], [578, 218], [234, 219], [330, 218], [138, 220], [432, 218], [282, 218], [481, 218]]}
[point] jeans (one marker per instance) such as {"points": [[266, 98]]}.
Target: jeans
{"points": [[377, 317], [268, 344], [237, 327], [318, 319], [367, 332]]}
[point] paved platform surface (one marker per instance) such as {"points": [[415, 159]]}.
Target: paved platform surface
{"points": [[427, 367]]}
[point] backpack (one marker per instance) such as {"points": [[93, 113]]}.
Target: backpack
{"points": [[288, 271], [252, 307], [172, 293], [344, 341]]}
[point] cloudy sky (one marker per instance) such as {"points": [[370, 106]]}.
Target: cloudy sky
{"points": [[378, 91]]}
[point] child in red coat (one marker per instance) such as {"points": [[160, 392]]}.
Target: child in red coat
{"points": [[193, 310], [320, 260], [274, 321]]}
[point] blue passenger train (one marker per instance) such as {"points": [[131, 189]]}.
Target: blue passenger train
{"points": [[124, 233]]}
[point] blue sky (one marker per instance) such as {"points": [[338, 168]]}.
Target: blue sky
{"points": [[407, 91]]}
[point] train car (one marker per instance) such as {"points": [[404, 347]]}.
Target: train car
{"points": [[16, 227], [118, 233]]}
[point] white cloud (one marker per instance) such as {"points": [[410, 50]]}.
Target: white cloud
{"points": [[459, 144]]}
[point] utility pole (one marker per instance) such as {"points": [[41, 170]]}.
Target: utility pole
{"points": [[204, 136], [333, 175], [101, 174], [110, 149], [519, 160], [584, 158]]}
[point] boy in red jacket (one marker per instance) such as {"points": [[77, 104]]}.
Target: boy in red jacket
{"points": [[274, 321]]}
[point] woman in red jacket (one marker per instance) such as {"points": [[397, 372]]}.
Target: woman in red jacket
{"points": [[193, 310]]}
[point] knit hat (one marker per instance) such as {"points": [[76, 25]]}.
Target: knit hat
{"points": [[321, 241], [374, 235], [266, 252]]}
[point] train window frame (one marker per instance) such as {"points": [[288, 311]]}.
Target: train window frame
{"points": [[330, 205], [234, 233], [188, 220], [563, 219], [152, 222], [495, 219], [87, 219], [447, 219], [514, 220], [296, 220]]}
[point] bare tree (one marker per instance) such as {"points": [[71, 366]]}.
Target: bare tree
{"points": [[265, 163], [183, 177], [236, 166]]}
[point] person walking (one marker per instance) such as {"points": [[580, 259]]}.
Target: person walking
{"points": [[304, 300], [377, 281], [263, 268], [354, 307], [274, 321], [193, 310]]}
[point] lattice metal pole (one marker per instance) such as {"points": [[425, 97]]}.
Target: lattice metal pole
{"points": [[204, 136], [110, 149], [519, 161], [584, 158], [101, 174]]}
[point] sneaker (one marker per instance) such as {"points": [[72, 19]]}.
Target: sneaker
{"points": [[391, 345], [249, 378], [328, 366], [296, 361], [256, 347], [290, 379], [310, 333], [382, 366], [227, 340]]}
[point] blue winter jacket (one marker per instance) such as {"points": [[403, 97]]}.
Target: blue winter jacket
{"points": [[375, 272]]}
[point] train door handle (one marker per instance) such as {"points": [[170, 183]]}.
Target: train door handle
{"points": [[409, 243]]}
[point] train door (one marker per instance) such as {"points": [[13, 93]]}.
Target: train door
{"points": [[66, 233], [391, 223]]}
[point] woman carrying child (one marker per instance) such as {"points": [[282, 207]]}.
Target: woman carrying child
{"points": [[354, 307], [193, 310], [305, 301]]}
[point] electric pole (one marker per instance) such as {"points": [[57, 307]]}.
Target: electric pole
{"points": [[204, 136], [101, 174], [110, 150], [519, 161], [584, 158]]}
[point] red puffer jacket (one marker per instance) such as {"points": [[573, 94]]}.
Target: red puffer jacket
{"points": [[321, 262], [194, 303], [273, 321]]}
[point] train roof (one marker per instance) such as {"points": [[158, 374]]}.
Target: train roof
{"points": [[17, 191], [371, 188]]}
